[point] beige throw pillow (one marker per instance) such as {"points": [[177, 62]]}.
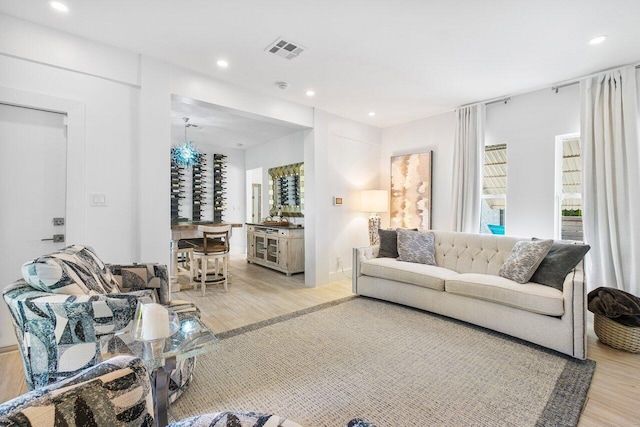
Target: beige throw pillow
{"points": [[524, 259]]}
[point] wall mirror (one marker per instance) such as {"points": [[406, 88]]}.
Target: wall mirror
{"points": [[286, 190]]}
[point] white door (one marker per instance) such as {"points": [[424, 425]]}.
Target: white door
{"points": [[33, 152]]}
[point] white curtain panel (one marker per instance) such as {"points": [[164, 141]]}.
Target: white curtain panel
{"points": [[467, 168], [611, 164]]}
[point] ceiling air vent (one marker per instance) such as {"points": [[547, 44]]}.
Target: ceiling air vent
{"points": [[285, 49]]}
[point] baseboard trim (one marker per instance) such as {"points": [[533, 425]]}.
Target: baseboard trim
{"points": [[336, 276], [8, 348]]}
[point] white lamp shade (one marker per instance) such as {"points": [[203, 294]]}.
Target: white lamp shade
{"points": [[375, 201]]}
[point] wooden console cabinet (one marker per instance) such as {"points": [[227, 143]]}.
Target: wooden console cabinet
{"points": [[279, 248]]}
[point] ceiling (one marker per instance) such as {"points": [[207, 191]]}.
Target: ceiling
{"points": [[402, 59], [224, 127]]}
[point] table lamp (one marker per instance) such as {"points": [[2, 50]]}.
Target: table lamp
{"points": [[374, 202]]}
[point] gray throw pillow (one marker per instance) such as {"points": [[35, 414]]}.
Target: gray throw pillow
{"points": [[561, 259], [524, 259], [416, 246], [388, 244]]}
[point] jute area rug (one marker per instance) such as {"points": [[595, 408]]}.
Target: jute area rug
{"points": [[393, 365]]}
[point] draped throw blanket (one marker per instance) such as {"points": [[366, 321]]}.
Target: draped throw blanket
{"points": [[467, 168], [617, 305], [611, 164]]}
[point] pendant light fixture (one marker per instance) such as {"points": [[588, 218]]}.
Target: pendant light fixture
{"points": [[186, 154]]}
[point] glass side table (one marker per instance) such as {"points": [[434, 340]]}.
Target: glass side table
{"points": [[160, 357]]}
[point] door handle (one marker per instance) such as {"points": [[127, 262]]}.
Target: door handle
{"points": [[57, 238]]}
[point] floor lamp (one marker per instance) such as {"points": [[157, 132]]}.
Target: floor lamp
{"points": [[374, 202]]}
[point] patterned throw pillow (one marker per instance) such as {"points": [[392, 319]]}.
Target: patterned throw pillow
{"points": [[74, 270], [89, 256], [524, 259], [416, 246]]}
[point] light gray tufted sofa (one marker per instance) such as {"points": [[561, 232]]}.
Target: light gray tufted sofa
{"points": [[465, 285]]}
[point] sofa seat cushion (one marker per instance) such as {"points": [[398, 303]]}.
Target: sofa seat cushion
{"points": [[428, 276], [529, 296]]}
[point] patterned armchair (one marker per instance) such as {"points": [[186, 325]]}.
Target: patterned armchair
{"points": [[69, 299], [113, 393]]}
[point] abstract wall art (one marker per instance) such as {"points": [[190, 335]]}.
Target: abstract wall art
{"points": [[411, 191]]}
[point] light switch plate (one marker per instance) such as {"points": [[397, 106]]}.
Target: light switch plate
{"points": [[98, 199]]}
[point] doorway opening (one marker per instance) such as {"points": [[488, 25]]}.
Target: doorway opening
{"points": [[254, 195]]}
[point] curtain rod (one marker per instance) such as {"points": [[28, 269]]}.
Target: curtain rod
{"points": [[505, 100], [555, 87]]}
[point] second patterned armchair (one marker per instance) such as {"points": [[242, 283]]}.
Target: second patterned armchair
{"points": [[68, 299], [115, 393]]}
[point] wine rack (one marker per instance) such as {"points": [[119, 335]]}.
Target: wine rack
{"points": [[177, 190], [198, 188], [288, 190], [219, 186], [206, 185]]}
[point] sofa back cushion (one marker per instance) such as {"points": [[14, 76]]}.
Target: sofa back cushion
{"points": [[74, 270], [472, 253]]}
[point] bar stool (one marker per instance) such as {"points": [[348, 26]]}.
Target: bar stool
{"points": [[184, 256], [215, 248]]}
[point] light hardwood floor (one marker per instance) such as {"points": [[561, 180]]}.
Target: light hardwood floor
{"points": [[257, 293]]}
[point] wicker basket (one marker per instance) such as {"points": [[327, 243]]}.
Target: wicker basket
{"points": [[618, 336]]}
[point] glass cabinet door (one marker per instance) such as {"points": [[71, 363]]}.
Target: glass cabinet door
{"points": [[272, 249], [259, 245]]}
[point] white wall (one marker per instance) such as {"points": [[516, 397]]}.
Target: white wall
{"points": [[529, 124], [434, 133], [22, 39], [353, 151], [153, 163], [341, 158]]}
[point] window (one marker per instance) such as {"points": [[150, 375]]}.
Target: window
{"points": [[494, 189], [568, 188]]}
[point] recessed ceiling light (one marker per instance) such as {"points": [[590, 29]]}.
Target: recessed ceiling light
{"points": [[597, 40], [310, 93], [60, 7], [372, 113], [222, 63]]}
